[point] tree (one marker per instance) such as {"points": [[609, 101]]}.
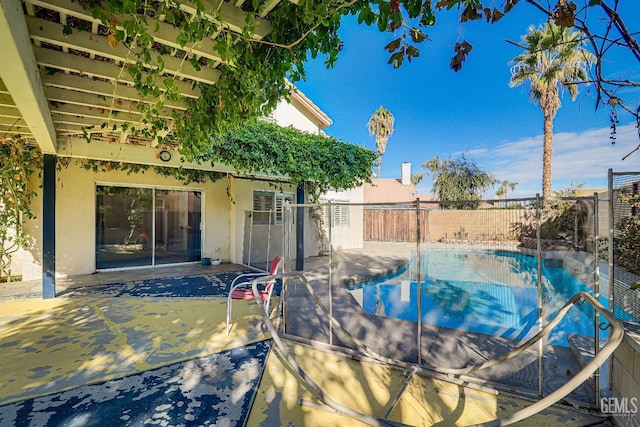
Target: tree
{"points": [[504, 187], [381, 125], [432, 165], [602, 23], [553, 59], [459, 179]]}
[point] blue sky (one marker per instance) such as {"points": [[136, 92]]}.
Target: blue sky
{"points": [[441, 112]]}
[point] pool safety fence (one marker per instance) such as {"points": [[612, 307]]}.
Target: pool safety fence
{"points": [[561, 240], [262, 238], [358, 348], [624, 253], [414, 231]]}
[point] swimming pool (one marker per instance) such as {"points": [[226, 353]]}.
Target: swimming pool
{"points": [[488, 292]]}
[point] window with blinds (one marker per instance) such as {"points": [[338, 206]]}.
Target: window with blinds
{"points": [[340, 215], [268, 206]]}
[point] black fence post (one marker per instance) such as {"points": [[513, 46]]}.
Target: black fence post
{"points": [[300, 228]]}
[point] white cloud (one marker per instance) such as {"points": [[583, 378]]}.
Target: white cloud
{"points": [[579, 157]]}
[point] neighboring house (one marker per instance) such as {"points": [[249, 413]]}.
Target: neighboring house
{"points": [[395, 190]]}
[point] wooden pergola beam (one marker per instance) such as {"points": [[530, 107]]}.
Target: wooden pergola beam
{"points": [[231, 16], [101, 113], [161, 32], [22, 78], [104, 89], [101, 69], [94, 44], [77, 147]]}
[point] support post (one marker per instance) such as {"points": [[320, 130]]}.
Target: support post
{"points": [[539, 205], [49, 227], [611, 263], [300, 228], [596, 293], [330, 209], [419, 280]]}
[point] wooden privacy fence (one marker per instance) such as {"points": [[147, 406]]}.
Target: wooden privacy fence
{"points": [[394, 225], [399, 225]]}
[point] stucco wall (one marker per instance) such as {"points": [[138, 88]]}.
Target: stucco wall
{"points": [[626, 381], [351, 237], [485, 225], [26, 262], [75, 217], [257, 236], [243, 203], [287, 114]]}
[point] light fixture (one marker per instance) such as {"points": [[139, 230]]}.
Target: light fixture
{"points": [[164, 155]]}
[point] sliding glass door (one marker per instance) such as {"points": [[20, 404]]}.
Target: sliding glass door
{"points": [[177, 226], [144, 226]]}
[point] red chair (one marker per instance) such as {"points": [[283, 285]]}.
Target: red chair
{"points": [[241, 288]]}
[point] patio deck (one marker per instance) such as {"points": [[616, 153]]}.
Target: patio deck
{"points": [[97, 355]]}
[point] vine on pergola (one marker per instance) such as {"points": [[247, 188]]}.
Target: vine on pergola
{"points": [[318, 162], [253, 72], [18, 162], [289, 155]]}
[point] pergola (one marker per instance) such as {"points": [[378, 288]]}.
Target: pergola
{"points": [[61, 77], [63, 81]]}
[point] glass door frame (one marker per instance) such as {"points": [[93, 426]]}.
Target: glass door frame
{"points": [[152, 236]]}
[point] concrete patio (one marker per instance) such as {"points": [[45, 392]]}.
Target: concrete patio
{"points": [[91, 358]]}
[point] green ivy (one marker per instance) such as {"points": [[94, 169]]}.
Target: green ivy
{"points": [[108, 166], [319, 162], [253, 72], [18, 162], [187, 176]]}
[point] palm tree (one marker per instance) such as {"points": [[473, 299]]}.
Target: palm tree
{"points": [[381, 125], [504, 187], [554, 58]]}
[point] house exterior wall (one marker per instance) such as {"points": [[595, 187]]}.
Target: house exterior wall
{"points": [[253, 240], [225, 204], [27, 262], [259, 243], [76, 216], [352, 236], [288, 114]]}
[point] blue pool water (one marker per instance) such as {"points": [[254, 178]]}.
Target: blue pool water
{"points": [[493, 293]]}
